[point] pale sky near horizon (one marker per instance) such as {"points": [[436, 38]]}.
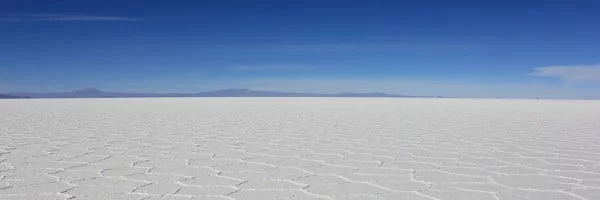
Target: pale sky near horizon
{"points": [[449, 48]]}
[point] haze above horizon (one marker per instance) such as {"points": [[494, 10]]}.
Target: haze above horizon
{"points": [[423, 48]]}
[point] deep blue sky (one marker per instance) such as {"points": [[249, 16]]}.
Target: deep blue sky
{"points": [[454, 48]]}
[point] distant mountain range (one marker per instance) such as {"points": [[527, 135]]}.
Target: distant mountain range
{"points": [[5, 96], [96, 93]]}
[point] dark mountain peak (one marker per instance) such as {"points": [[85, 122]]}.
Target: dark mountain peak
{"points": [[367, 94], [88, 90], [371, 93], [234, 90], [5, 96]]}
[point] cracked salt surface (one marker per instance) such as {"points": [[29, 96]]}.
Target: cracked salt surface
{"points": [[299, 148]]}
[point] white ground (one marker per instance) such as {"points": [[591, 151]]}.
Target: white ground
{"points": [[299, 148]]}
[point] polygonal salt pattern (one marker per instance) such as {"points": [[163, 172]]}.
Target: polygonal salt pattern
{"points": [[299, 148]]}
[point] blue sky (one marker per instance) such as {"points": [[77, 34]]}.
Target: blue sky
{"points": [[451, 48]]}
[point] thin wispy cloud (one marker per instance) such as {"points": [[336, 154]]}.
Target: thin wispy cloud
{"points": [[375, 47], [61, 17], [323, 47], [270, 67], [362, 47], [572, 73]]}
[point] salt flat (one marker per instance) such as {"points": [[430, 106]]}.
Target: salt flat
{"points": [[299, 148]]}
